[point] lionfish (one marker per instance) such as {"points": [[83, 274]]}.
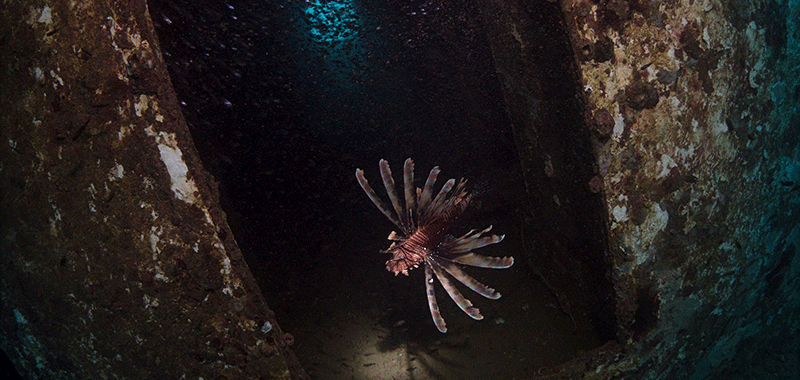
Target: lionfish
{"points": [[423, 238]]}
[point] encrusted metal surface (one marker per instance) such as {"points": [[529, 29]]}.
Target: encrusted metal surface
{"points": [[693, 106], [116, 260]]}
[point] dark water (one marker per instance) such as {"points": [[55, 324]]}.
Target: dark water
{"points": [[286, 99]]}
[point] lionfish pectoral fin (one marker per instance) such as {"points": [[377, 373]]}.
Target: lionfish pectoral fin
{"points": [[475, 260], [466, 246], [432, 304], [410, 191], [471, 241], [467, 280], [375, 200], [388, 183], [448, 286], [427, 190], [438, 204]]}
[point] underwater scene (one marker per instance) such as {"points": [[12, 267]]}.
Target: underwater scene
{"points": [[386, 189], [286, 101]]}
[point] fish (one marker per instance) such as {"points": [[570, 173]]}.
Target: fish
{"points": [[423, 221]]}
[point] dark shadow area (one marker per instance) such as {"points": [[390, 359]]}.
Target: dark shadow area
{"points": [[565, 229], [7, 370], [286, 99]]}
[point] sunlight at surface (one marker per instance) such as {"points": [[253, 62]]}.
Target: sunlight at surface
{"points": [[332, 21], [333, 54]]}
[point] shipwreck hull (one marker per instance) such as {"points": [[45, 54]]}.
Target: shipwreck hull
{"points": [[657, 144]]}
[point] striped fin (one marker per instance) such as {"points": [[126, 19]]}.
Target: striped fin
{"points": [[476, 260], [438, 203], [466, 279], [374, 198], [427, 191], [388, 183], [472, 235], [469, 234], [410, 192], [468, 243], [435, 314], [462, 302]]}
